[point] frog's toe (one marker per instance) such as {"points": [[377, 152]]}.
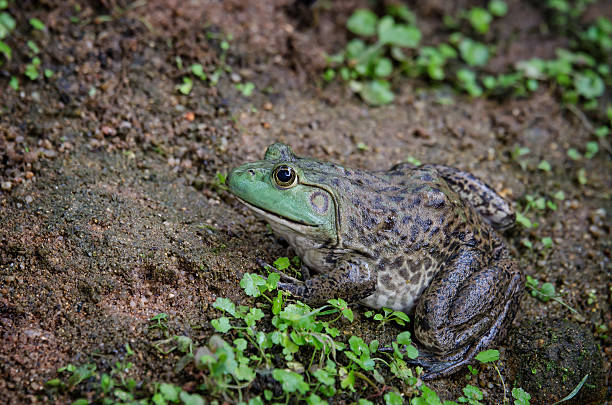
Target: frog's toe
{"points": [[441, 369]]}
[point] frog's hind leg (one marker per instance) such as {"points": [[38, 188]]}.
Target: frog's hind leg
{"points": [[466, 308], [490, 205]]}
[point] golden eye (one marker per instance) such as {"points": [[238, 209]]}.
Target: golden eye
{"points": [[285, 176]]}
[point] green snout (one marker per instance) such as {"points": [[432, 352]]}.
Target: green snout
{"points": [[253, 183]]}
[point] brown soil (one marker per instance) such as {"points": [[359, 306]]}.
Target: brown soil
{"points": [[110, 209]]}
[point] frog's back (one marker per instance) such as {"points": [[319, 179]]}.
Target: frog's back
{"points": [[410, 222]]}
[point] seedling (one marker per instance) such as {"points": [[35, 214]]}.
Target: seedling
{"points": [[159, 321], [387, 316], [491, 356], [546, 292], [520, 396]]}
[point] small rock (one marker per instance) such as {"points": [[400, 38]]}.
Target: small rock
{"points": [[6, 185], [236, 78], [29, 199], [49, 153], [108, 131], [30, 157], [596, 231]]}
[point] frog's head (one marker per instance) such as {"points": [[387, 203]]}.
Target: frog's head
{"points": [[278, 188]]}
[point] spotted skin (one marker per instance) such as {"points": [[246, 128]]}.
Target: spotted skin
{"points": [[416, 239]]}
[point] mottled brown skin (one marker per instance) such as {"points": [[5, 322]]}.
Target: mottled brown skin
{"points": [[415, 239]]}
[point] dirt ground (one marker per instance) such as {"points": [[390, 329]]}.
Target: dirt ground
{"points": [[110, 208]]}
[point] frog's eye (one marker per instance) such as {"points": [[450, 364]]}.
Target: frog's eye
{"points": [[285, 176]]}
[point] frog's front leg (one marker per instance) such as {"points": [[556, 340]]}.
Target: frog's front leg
{"points": [[466, 308], [353, 279]]}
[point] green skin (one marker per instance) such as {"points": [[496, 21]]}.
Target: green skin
{"points": [[416, 239]]}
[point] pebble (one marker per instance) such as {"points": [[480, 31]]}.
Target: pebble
{"points": [[597, 231], [6, 185], [50, 153], [236, 77], [29, 199]]}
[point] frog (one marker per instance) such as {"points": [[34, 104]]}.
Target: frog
{"points": [[418, 239]]}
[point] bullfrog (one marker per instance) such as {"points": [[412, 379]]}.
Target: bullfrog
{"points": [[416, 239]]}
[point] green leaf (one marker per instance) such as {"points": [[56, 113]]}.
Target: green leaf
{"points": [[5, 50], [272, 281], [191, 399], [376, 92], [277, 304], [574, 154], [80, 401], [106, 383], [600, 132], [54, 382], [591, 149], [250, 283], [574, 391], [559, 195], [81, 373], [186, 87], [282, 263], [498, 8], [547, 242], [383, 67], [488, 356], [246, 88], [170, 392], [244, 373], [472, 392], [581, 176], [37, 24], [198, 70], [480, 19], [521, 397], [393, 398], [398, 34], [222, 324], [362, 22], [548, 289], [7, 24], [225, 304], [290, 381], [404, 338], [589, 84], [473, 52], [544, 165], [314, 399], [254, 315], [355, 48], [412, 352], [324, 377], [256, 401]]}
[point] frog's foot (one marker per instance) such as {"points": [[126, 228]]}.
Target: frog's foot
{"points": [[271, 268]]}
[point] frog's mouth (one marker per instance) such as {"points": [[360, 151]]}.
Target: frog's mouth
{"points": [[290, 223]]}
